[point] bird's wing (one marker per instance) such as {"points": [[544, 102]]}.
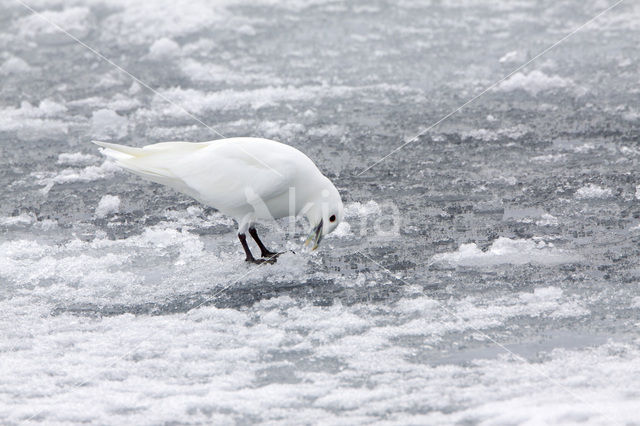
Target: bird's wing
{"points": [[225, 174], [231, 174]]}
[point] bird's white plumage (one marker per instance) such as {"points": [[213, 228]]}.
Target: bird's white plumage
{"points": [[246, 178]]}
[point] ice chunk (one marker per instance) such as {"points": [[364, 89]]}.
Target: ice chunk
{"points": [[529, 215], [143, 22], [75, 20], [199, 101], [507, 251], [108, 204], [76, 158], [341, 231], [30, 122], [70, 175], [49, 108], [547, 220], [14, 65], [534, 82], [358, 209], [513, 56], [199, 71], [106, 123], [20, 220], [489, 135], [164, 48], [280, 129], [593, 191]]}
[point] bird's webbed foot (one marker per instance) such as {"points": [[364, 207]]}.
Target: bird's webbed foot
{"points": [[269, 260], [271, 254]]}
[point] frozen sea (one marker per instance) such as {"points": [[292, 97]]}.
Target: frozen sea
{"points": [[503, 290]]}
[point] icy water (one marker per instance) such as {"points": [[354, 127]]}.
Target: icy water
{"points": [[504, 290]]}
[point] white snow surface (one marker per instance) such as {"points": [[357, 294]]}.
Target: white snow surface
{"points": [[164, 48], [106, 124], [108, 204], [593, 191], [534, 82], [506, 292], [506, 250]]}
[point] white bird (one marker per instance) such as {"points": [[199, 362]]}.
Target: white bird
{"points": [[248, 179]]}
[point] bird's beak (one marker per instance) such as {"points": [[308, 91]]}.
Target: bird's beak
{"points": [[315, 236]]}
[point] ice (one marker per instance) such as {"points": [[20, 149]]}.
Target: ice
{"points": [[257, 98], [20, 220], [514, 56], [487, 135], [358, 209], [164, 48], [529, 215], [27, 121], [506, 250], [534, 82], [142, 23], [76, 159], [279, 130], [75, 20], [14, 65], [70, 175], [211, 72], [108, 204], [107, 124], [485, 273], [546, 219], [593, 191]]}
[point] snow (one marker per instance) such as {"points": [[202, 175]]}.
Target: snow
{"points": [[71, 175], [199, 102], [514, 56], [108, 204], [358, 209], [226, 344], [486, 273], [279, 130], [212, 72], [107, 124], [76, 158], [534, 82], [593, 191], [488, 135], [14, 65], [505, 250], [75, 20], [20, 220], [27, 122], [164, 48]]}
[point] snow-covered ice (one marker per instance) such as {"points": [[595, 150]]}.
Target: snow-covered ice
{"points": [[107, 124], [506, 250], [487, 273], [534, 82], [593, 191], [108, 204]]}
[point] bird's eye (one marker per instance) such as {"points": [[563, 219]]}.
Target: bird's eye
{"points": [[332, 218]]}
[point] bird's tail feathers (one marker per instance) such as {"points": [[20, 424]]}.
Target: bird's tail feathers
{"points": [[120, 152], [151, 161]]}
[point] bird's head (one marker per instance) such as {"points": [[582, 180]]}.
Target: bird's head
{"points": [[324, 212]]}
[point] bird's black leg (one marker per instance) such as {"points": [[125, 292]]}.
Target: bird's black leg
{"points": [[264, 252], [245, 246]]}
